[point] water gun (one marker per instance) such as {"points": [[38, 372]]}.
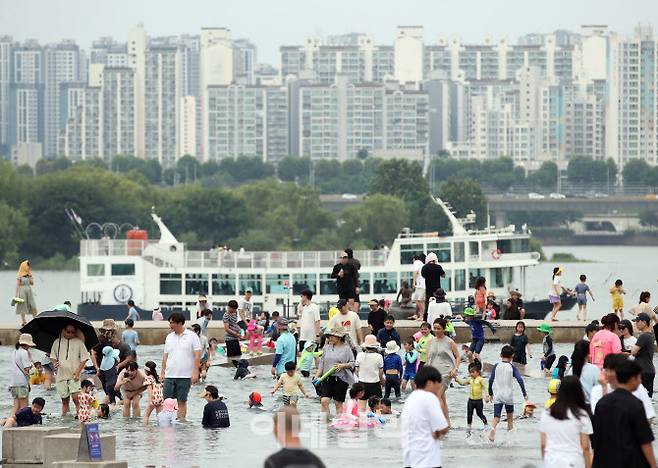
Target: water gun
{"points": [[324, 376]]}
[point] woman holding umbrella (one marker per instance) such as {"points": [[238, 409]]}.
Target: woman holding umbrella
{"points": [[69, 355], [20, 386], [24, 299]]}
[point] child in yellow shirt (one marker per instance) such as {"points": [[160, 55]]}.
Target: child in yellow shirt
{"points": [[37, 374], [617, 299], [478, 388]]}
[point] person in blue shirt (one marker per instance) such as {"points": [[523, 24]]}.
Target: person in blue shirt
{"points": [[132, 311], [388, 333], [392, 369], [477, 331], [129, 335], [286, 348]]}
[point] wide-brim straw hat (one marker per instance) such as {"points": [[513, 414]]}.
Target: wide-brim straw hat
{"points": [[109, 325], [392, 347], [26, 339], [337, 331]]}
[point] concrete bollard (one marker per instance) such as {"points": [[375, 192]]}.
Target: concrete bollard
{"points": [[101, 464], [62, 447], [24, 445]]}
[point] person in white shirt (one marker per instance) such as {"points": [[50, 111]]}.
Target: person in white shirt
{"points": [[438, 307], [423, 422], [608, 383], [565, 428], [419, 286], [308, 314], [246, 309], [180, 362], [349, 320]]}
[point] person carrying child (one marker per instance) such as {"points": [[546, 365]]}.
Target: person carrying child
{"points": [[392, 369], [109, 374], [477, 393], [501, 389]]}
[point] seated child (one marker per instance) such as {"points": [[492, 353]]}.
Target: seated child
{"points": [[103, 411], [27, 416], [349, 418], [37, 374], [373, 415], [242, 370], [167, 416]]}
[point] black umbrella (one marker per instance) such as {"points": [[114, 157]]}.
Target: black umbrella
{"points": [[46, 327]]}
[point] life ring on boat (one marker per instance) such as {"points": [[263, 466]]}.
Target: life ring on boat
{"points": [[495, 254]]}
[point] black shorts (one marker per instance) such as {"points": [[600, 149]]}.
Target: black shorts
{"points": [[357, 298], [346, 295], [334, 388], [371, 389], [233, 349]]}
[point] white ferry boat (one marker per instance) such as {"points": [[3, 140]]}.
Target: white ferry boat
{"points": [[163, 272]]}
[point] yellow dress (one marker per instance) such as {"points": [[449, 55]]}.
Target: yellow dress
{"points": [[617, 298]]}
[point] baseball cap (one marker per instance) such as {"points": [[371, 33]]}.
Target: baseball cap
{"points": [[643, 317], [341, 303]]}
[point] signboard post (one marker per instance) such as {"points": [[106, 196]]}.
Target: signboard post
{"points": [[90, 448]]}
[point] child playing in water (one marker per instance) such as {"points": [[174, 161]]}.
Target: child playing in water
{"points": [[154, 386], [501, 389], [617, 300], [581, 290], [410, 363], [560, 368], [481, 296], [85, 400], [477, 393], [421, 342], [37, 374], [203, 362], [350, 416], [103, 411], [519, 341], [392, 369], [477, 331], [374, 413], [548, 357], [292, 385], [255, 333], [255, 400], [167, 416], [553, 387]]}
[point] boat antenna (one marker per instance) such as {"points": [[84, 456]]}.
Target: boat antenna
{"points": [[457, 226]]}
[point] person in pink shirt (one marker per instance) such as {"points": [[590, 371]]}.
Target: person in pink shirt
{"points": [[605, 341]]}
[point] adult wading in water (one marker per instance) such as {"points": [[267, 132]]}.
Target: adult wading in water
{"points": [[24, 293]]}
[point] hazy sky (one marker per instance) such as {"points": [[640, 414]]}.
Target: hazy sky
{"points": [[275, 22]]}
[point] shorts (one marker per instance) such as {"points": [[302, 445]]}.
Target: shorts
{"points": [[581, 299], [618, 303], [371, 389], [357, 298], [477, 345], [498, 409], [418, 295], [346, 295], [288, 399], [553, 299], [19, 392], [66, 388], [334, 388], [233, 349], [176, 388], [548, 361], [409, 372]]}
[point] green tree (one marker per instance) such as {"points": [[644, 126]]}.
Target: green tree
{"points": [[45, 166], [293, 168], [245, 168], [96, 163], [149, 168], [13, 186], [209, 168], [465, 195], [25, 170], [636, 171], [649, 218], [545, 176], [188, 169], [13, 229], [582, 169], [378, 220]]}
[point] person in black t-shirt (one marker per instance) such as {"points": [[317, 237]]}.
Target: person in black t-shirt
{"points": [[643, 350], [432, 272], [346, 278], [286, 431], [376, 317], [622, 435], [27, 416], [215, 413]]}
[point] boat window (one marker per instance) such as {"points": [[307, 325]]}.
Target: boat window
{"points": [[171, 283], [441, 249], [407, 276], [364, 283], [458, 251], [385, 283], [460, 280], [223, 285], [196, 283], [301, 282], [473, 274], [96, 269], [500, 277], [446, 283], [277, 284], [513, 245], [407, 252], [474, 249], [123, 269], [327, 284], [253, 282]]}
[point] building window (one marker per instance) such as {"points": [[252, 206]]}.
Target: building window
{"points": [[385, 283], [473, 274], [123, 269], [276, 284], [196, 284], [364, 283], [223, 285], [253, 282], [171, 283], [96, 269], [327, 284], [302, 282]]}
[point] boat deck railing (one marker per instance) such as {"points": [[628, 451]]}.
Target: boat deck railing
{"points": [[230, 259]]}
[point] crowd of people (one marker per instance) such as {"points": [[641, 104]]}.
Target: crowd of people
{"points": [[598, 411]]}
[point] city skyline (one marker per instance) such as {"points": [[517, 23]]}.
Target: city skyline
{"points": [[54, 21]]}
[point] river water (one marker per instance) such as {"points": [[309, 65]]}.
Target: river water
{"points": [[248, 441]]}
